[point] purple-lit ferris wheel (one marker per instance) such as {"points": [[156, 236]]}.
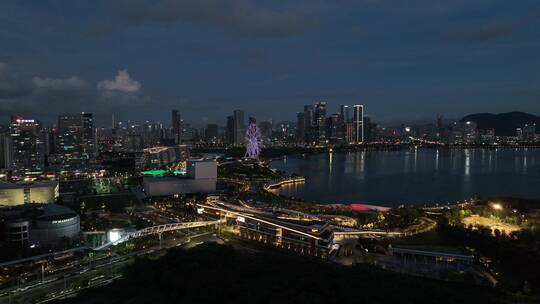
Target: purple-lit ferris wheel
{"points": [[253, 140]]}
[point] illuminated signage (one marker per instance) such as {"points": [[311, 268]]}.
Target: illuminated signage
{"points": [[241, 219], [62, 221], [25, 120], [200, 210]]}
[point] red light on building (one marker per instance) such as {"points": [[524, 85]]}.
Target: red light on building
{"points": [[359, 207]]}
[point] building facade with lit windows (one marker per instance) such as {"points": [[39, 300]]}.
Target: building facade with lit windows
{"points": [[320, 122], [176, 125], [6, 151], [41, 192], [358, 123], [28, 154], [304, 237], [161, 157], [239, 127], [75, 140]]}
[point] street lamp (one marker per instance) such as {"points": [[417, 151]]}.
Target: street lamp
{"points": [[496, 206]]}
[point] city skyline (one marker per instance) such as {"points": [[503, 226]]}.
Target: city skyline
{"points": [[268, 60], [304, 151]]}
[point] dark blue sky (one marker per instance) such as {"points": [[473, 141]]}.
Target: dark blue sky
{"points": [[404, 60]]}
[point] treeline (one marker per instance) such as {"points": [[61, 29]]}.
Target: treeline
{"points": [[213, 273], [401, 218], [516, 254]]}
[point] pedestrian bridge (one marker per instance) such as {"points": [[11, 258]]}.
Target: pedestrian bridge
{"points": [[158, 230]]}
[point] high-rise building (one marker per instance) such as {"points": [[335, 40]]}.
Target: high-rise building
{"points": [[320, 122], [265, 128], [349, 133], [75, 140], [132, 143], [229, 130], [300, 127], [529, 132], [358, 123], [51, 138], [151, 134], [188, 133], [519, 133], [345, 113], [309, 123], [464, 133], [176, 126], [335, 129], [27, 144], [369, 130], [470, 132], [440, 127], [487, 136], [212, 133], [6, 150], [239, 127]]}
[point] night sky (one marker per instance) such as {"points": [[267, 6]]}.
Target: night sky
{"points": [[404, 60]]}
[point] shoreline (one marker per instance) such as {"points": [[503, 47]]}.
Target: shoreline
{"points": [[438, 200], [274, 186]]}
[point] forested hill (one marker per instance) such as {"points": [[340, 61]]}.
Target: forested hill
{"points": [[505, 124]]}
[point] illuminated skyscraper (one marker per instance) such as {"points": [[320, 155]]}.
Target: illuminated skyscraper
{"points": [[358, 123], [335, 129], [320, 122], [345, 113], [176, 124], [152, 133], [75, 140], [309, 124], [27, 144]]}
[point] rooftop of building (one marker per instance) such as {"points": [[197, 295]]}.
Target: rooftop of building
{"points": [[41, 212], [315, 228], [162, 179], [35, 184]]}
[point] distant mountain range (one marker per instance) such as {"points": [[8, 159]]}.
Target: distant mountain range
{"points": [[505, 124]]}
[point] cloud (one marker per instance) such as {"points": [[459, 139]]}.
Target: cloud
{"points": [[486, 33], [10, 87], [494, 31], [39, 95], [3, 70], [237, 16], [59, 84], [121, 91], [46, 97], [121, 83], [118, 99]]}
